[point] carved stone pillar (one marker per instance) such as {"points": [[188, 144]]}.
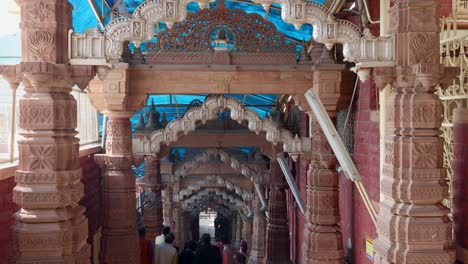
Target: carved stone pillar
{"points": [[167, 206], [277, 238], [257, 252], [412, 223], [238, 230], [233, 230], [323, 241], [153, 212], [178, 228], [460, 182], [247, 232], [50, 226], [119, 240]]}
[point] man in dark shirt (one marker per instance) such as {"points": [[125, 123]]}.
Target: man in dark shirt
{"points": [[207, 253]]}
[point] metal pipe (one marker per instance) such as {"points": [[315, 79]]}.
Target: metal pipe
{"points": [[368, 14], [342, 155], [291, 182], [104, 133], [261, 197], [14, 87], [96, 14]]}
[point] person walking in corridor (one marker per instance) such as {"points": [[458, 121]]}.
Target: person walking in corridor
{"points": [[164, 231], [146, 247], [188, 254], [228, 252], [207, 253], [165, 253]]}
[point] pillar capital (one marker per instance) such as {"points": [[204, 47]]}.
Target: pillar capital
{"points": [[110, 92], [383, 76]]}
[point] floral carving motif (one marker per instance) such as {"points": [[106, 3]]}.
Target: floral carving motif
{"points": [[42, 44], [42, 157], [247, 32], [40, 11], [389, 153], [423, 48], [424, 155]]}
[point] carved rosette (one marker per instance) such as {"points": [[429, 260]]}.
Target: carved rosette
{"points": [[412, 223]]}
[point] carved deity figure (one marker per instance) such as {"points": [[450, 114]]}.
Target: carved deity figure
{"points": [[222, 40]]}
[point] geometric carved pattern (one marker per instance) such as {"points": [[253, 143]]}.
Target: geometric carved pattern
{"points": [[208, 111]]}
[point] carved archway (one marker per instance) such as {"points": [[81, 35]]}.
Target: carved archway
{"points": [[208, 111], [246, 195], [204, 157], [224, 197]]}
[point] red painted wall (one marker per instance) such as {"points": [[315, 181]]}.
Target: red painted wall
{"points": [[355, 221], [7, 208], [460, 183], [92, 197]]}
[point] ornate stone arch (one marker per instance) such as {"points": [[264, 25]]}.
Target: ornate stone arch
{"points": [[208, 111], [204, 157], [327, 29], [213, 192], [246, 195]]}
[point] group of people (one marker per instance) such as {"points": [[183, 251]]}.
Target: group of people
{"points": [[163, 252]]}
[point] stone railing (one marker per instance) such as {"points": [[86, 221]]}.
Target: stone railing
{"points": [[453, 49]]}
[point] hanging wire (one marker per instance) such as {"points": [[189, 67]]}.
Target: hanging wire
{"points": [[350, 105]]}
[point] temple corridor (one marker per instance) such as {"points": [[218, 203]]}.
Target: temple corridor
{"points": [[300, 131]]}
